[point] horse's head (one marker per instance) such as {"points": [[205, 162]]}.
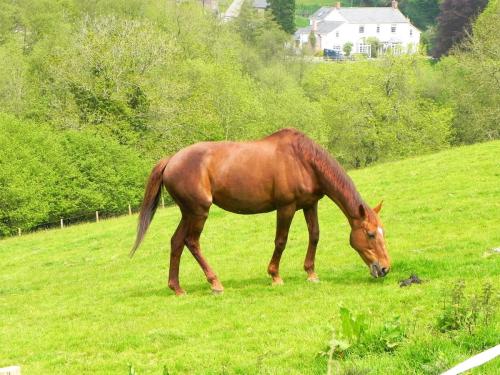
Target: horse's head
{"points": [[367, 238]]}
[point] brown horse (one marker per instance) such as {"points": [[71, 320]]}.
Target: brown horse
{"points": [[285, 171]]}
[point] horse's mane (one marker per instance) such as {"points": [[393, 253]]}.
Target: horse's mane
{"points": [[328, 170]]}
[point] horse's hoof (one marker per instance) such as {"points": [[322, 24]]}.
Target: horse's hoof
{"points": [[313, 279], [217, 292], [180, 293], [277, 282]]}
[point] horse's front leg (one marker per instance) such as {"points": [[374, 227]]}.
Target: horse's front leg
{"points": [[311, 216], [284, 219]]}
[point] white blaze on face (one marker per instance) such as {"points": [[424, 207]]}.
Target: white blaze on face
{"points": [[381, 231]]}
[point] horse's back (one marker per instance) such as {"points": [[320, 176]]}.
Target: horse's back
{"points": [[242, 177]]}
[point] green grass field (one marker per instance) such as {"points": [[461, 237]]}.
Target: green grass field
{"points": [[72, 302]]}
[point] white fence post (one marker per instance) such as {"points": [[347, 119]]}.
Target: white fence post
{"points": [[11, 370], [62, 223], [18, 231], [129, 210], [97, 216]]}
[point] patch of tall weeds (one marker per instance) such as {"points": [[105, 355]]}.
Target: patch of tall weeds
{"points": [[469, 313], [356, 337]]}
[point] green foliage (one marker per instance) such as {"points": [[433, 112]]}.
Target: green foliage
{"points": [[454, 24], [357, 337], [301, 21], [377, 111], [375, 46], [471, 76], [471, 319], [390, 336], [353, 327], [312, 40], [347, 48], [427, 40], [468, 313], [422, 13], [284, 14], [68, 174]]}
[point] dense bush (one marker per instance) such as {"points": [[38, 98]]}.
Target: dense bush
{"points": [[378, 111], [472, 80], [46, 175]]}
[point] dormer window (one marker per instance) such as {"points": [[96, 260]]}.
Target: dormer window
{"points": [[393, 28], [361, 29]]}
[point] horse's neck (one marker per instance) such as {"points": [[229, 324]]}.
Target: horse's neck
{"points": [[338, 186]]}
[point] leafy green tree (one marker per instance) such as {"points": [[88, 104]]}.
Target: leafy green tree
{"points": [[284, 14], [375, 112], [422, 13], [347, 48], [375, 45], [312, 40], [471, 77]]}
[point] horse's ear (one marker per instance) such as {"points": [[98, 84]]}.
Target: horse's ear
{"points": [[362, 212], [378, 207]]}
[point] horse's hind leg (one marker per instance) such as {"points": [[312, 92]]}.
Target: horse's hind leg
{"points": [[311, 215], [177, 245], [284, 219], [195, 225]]}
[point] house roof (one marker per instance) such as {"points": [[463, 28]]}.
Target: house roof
{"points": [[322, 28], [260, 4], [321, 13], [373, 15], [364, 14], [328, 26], [303, 30]]}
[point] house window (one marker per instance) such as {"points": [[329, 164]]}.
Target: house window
{"points": [[378, 28], [337, 34], [411, 32], [361, 29], [393, 28]]}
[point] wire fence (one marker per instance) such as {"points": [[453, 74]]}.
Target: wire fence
{"points": [[86, 217]]}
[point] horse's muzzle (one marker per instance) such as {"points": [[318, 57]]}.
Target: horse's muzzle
{"points": [[376, 271]]}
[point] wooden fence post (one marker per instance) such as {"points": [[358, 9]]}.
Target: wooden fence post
{"points": [[18, 231], [97, 216], [162, 202], [129, 210], [62, 223]]}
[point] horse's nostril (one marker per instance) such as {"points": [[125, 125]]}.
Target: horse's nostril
{"points": [[384, 271]]}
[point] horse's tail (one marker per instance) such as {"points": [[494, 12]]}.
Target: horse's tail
{"points": [[150, 202]]}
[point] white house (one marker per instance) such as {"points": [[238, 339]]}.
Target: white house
{"points": [[333, 27]]}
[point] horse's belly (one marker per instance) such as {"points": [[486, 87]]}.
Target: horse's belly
{"points": [[243, 202]]}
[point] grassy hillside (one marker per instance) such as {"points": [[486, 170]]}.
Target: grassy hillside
{"points": [[72, 302]]}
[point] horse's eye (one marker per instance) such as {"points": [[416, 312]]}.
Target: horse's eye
{"points": [[371, 234]]}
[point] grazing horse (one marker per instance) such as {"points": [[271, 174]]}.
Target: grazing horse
{"points": [[286, 172]]}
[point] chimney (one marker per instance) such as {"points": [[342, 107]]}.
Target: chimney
{"points": [[337, 5], [394, 4]]}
